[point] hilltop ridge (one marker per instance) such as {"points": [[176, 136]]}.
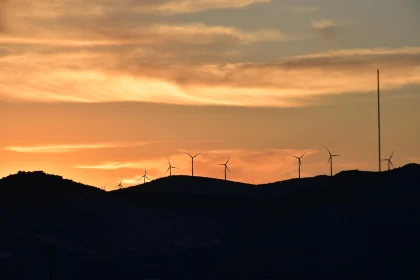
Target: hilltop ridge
{"points": [[40, 186], [210, 186], [39, 182]]}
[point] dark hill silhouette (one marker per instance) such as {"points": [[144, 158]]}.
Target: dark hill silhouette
{"points": [[188, 185], [354, 225], [38, 185]]}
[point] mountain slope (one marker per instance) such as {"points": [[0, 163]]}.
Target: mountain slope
{"points": [[354, 225]]}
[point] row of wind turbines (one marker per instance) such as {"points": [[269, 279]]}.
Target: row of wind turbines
{"points": [[226, 168], [330, 159], [170, 167]]}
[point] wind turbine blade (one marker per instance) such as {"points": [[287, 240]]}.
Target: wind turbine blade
{"points": [[169, 162], [174, 167], [328, 150], [147, 178], [295, 157], [220, 164], [228, 160], [329, 161], [168, 169], [391, 164], [303, 155], [227, 168], [188, 154], [392, 154], [197, 155]]}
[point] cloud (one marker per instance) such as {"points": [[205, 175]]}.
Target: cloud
{"points": [[70, 147], [57, 26], [152, 35], [3, 14], [80, 55], [202, 34], [301, 10], [76, 23], [113, 165], [323, 24], [326, 27], [101, 8], [187, 6], [109, 77], [66, 42]]}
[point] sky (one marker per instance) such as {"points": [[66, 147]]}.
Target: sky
{"points": [[96, 90]]}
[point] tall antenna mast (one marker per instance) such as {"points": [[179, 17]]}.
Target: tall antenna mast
{"points": [[379, 126]]}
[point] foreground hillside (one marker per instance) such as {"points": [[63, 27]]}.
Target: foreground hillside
{"points": [[354, 225]]}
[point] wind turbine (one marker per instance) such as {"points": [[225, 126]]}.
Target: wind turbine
{"points": [[331, 159], [389, 161], [226, 167], [145, 176], [192, 162], [170, 168], [299, 161], [120, 186]]}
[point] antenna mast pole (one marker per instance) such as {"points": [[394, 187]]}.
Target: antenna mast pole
{"points": [[379, 126]]}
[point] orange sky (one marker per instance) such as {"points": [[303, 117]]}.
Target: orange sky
{"points": [[94, 91]]}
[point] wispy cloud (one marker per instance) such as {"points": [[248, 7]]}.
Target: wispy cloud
{"points": [[3, 14], [301, 10], [204, 34], [77, 54], [114, 165], [187, 6], [323, 24], [99, 8], [70, 148], [326, 27], [108, 77], [152, 34], [66, 42]]}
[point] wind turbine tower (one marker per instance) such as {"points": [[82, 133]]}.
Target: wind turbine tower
{"points": [[192, 162], [120, 186], [389, 161], [331, 160], [379, 124], [226, 167], [145, 177], [299, 162], [170, 168]]}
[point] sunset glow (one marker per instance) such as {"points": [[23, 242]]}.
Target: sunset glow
{"points": [[95, 90]]}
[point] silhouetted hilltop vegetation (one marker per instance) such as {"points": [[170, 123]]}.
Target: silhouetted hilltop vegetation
{"points": [[41, 181], [40, 186]]}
